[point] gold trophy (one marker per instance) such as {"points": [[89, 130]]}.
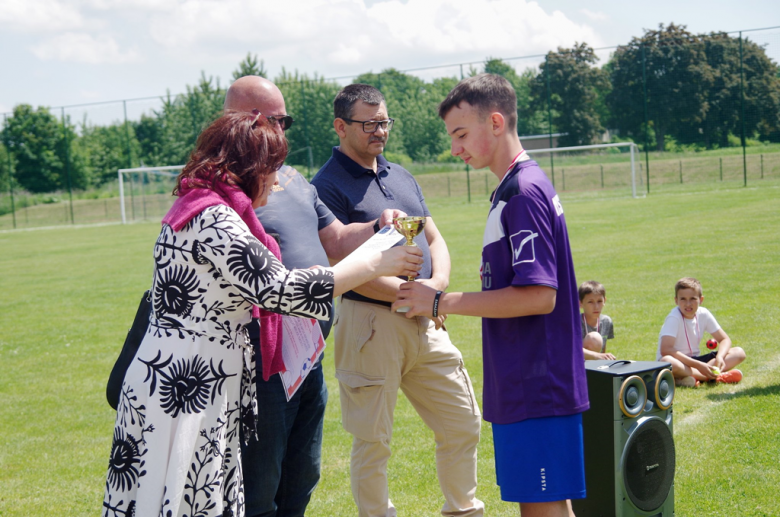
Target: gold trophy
{"points": [[410, 227]]}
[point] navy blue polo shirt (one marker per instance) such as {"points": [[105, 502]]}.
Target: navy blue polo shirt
{"points": [[358, 195], [295, 214]]}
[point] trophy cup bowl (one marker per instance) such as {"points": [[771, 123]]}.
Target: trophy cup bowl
{"points": [[410, 227]]}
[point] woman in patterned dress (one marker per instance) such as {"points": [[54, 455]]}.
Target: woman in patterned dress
{"points": [[175, 449]]}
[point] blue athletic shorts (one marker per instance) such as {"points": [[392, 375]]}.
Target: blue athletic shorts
{"points": [[540, 459]]}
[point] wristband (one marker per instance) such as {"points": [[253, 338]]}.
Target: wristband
{"points": [[436, 304], [376, 226]]}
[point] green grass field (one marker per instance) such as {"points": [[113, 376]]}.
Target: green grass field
{"points": [[69, 295]]}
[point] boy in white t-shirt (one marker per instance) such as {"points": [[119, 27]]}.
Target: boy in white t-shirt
{"points": [[681, 334]]}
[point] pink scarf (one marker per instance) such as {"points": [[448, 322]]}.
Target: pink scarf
{"points": [[191, 202]]}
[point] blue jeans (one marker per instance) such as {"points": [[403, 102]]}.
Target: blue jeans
{"points": [[282, 467]]}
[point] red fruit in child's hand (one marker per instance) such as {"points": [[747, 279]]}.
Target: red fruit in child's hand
{"points": [[712, 344]]}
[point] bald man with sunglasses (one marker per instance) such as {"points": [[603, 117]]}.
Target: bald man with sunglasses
{"points": [[282, 467]]}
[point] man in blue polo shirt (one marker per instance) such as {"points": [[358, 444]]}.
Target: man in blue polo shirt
{"points": [[378, 351], [282, 467]]}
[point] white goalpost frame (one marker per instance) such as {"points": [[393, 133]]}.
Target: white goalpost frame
{"points": [[631, 145], [155, 170]]}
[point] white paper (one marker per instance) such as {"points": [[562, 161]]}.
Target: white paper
{"points": [[382, 240], [302, 345]]}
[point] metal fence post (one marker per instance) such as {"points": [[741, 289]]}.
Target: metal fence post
{"points": [[681, 172], [10, 176], [67, 163], [721, 168], [647, 119], [602, 176], [468, 182], [549, 115], [742, 109], [127, 137], [311, 161], [305, 122]]}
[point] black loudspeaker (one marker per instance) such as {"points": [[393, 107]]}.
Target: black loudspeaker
{"points": [[629, 447]]}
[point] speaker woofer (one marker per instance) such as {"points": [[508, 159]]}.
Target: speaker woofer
{"points": [[648, 464], [664, 389], [632, 396]]}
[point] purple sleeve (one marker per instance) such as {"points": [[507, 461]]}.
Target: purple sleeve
{"points": [[529, 230]]}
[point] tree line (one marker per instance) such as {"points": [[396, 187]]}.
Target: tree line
{"points": [[668, 89]]}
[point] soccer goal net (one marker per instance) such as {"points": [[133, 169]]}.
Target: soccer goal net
{"points": [[591, 167], [145, 192]]}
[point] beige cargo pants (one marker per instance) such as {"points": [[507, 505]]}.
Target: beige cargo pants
{"points": [[376, 352]]}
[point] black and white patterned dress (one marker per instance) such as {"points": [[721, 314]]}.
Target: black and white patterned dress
{"points": [[176, 448]]}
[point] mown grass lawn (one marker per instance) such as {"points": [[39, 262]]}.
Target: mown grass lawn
{"points": [[68, 296]]}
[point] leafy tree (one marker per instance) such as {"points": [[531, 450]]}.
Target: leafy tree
{"points": [[149, 135], [5, 169], [761, 92], [250, 66], [106, 150], [42, 149], [310, 102], [531, 112], [184, 117], [575, 84], [678, 80]]}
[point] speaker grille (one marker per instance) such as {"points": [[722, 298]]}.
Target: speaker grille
{"points": [[648, 468]]}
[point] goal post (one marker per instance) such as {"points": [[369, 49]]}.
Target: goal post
{"points": [[585, 162], [152, 186]]}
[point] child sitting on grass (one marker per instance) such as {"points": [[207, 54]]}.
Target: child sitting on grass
{"points": [[681, 334], [596, 327]]}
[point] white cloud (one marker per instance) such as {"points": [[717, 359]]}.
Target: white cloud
{"points": [[137, 5], [39, 15], [595, 16], [347, 34], [79, 47]]}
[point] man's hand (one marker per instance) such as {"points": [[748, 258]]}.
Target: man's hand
{"points": [[387, 216], [417, 296], [439, 321], [606, 356]]}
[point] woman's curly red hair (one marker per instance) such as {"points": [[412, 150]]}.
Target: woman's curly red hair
{"points": [[238, 149]]}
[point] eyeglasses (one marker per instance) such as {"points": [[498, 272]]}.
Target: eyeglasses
{"points": [[284, 121], [370, 126]]}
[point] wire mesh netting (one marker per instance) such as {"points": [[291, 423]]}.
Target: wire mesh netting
{"points": [[702, 109]]}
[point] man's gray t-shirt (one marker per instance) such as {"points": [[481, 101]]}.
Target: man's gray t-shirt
{"points": [[295, 214]]}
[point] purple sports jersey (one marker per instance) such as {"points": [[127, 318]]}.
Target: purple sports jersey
{"points": [[534, 366]]}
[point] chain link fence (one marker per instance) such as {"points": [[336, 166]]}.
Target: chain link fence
{"points": [[702, 109]]}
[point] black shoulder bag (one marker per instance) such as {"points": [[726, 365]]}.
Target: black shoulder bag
{"points": [[129, 349]]}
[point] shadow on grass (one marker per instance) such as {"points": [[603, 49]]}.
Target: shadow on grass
{"points": [[761, 391]]}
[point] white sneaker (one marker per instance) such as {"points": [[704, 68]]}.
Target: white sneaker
{"points": [[686, 382]]}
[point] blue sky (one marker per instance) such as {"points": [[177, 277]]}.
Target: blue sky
{"points": [[65, 52]]}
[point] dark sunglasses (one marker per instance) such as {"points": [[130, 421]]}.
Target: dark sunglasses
{"points": [[284, 121]]}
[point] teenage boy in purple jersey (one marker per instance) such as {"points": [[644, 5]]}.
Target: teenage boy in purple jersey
{"points": [[534, 387]]}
